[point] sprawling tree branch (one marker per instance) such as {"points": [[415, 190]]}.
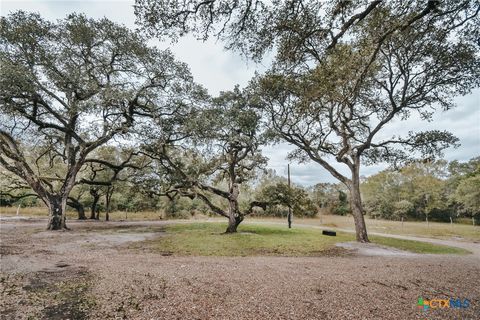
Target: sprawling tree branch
{"points": [[70, 88]]}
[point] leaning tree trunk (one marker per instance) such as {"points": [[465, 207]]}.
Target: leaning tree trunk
{"points": [[357, 207], [57, 213]]}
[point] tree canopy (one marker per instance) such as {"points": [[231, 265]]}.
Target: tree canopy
{"points": [[70, 87], [221, 144]]}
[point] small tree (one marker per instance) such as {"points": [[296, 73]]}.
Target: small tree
{"points": [[283, 196], [402, 208], [381, 191], [69, 87], [107, 166]]}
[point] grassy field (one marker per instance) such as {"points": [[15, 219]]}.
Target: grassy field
{"points": [[208, 239]]}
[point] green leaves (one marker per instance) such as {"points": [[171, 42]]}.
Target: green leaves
{"points": [[280, 195], [467, 195], [71, 87], [430, 188], [401, 150]]}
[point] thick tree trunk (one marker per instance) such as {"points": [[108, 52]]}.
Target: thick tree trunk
{"points": [[233, 223], [357, 207], [357, 211], [234, 215], [57, 212]]}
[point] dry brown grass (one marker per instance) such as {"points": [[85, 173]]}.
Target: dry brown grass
{"points": [[42, 212], [411, 228]]}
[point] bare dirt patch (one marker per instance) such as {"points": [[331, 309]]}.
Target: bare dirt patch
{"points": [[54, 275], [370, 249]]}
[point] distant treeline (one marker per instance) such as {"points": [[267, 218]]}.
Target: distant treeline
{"points": [[437, 191]]}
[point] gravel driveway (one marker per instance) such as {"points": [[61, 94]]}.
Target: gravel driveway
{"points": [[98, 276]]}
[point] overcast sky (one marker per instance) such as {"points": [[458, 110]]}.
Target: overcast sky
{"points": [[218, 70]]}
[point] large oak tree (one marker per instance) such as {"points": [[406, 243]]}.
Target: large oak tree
{"points": [[70, 87], [343, 70], [216, 149]]}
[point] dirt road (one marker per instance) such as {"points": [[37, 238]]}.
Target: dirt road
{"points": [[82, 274]]}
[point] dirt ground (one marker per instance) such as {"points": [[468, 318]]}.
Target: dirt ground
{"points": [[93, 272]]}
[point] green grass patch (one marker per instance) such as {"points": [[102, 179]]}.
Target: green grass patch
{"points": [[208, 239], [417, 246]]}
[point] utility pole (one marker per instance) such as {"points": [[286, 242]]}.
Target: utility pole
{"points": [[289, 218]]}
